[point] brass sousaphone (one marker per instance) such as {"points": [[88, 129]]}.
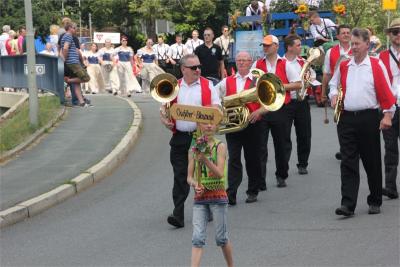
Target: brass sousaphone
{"points": [[164, 88], [269, 92]]}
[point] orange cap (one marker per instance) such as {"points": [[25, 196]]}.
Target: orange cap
{"points": [[270, 39]]}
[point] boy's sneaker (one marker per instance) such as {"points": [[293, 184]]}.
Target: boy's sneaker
{"points": [[85, 105]]}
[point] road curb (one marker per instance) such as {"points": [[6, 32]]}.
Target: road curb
{"points": [[84, 180]]}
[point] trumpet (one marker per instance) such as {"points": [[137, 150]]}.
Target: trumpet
{"points": [[269, 92], [315, 57], [164, 88]]}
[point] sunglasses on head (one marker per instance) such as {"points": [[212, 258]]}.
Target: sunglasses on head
{"points": [[195, 67], [395, 31]]}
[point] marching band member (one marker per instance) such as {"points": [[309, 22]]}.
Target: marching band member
{"points": [[108, 63], [298, 111], [194, 42], [249, 138], [196, 91], [365, 87], [331, 58], [225, 41], [148, 62], [391, 60], [161, 50], [128, 82], [175, 53], [277, 121], [92, 59]]}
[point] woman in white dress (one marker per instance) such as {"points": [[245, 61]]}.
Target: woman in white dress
{"points": [[149, 66], [92, 60], [108, 67], [128, 82]]}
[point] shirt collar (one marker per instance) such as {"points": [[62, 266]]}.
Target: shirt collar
{"points": [[248, 75], [366, 62], [194, 83], [397, 54]]}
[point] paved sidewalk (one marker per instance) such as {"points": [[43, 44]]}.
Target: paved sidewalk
{"points": [[85, 137]]}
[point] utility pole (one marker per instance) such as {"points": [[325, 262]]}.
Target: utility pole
{"points": [[90, 27], [80, 21], [31, 61]]}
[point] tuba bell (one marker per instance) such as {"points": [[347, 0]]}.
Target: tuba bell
{"points": [[315, 57], [164, 88], [269, 92]]}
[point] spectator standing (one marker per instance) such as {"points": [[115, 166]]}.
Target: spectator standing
{"points": [[21, 37], [3, 38], [48, 50], [54, 38], [374, 42], [12, 44], [210, 56], [71, 56]]}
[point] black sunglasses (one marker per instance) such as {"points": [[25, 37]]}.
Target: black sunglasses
{"points": [[395, 31], [195, 67]]}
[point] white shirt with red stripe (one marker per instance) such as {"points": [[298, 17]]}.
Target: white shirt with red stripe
{"points": [[240, 82], [291, 73], [360, 86], [327, 59], [191, 95]]}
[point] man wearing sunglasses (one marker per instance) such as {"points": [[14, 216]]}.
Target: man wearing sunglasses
{"points": [[210, 56], [391, 60], [194, 90]]}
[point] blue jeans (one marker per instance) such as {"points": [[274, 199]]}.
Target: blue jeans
{"points": [[201, 214]]}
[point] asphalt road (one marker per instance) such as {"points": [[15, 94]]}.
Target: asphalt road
{"points": [[122, 220]]}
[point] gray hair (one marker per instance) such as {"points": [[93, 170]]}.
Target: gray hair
{"points": [[186, 57], [244, 53], [6, 28], [361, 33]]}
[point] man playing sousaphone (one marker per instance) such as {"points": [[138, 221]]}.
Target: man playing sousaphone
{"points": [[195, 91], [249, 138]]}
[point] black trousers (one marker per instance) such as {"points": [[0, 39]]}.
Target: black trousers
{"points": [[391, 159], [276, 123], [180, 144], [359, 137], [249, 139], [299, 114]]}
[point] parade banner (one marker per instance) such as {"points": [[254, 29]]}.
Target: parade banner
{"points": [[389, 4], [196, 114], [100, 37], [249, 41]]}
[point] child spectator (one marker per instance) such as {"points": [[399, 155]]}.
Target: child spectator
{"points": [[210, 195]]}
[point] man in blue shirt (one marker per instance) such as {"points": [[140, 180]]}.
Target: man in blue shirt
{"points": [[70, 54]]}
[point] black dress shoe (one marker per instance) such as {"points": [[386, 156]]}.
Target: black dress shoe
{"points": [[302, 170], [374, 209], [338, 156], [392, 194], [175, 221], [251, 198], [231, 200], [280, 182], [262, 188], [345, 211]]}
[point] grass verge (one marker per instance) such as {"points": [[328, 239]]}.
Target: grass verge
{"points": [[15, 130]]}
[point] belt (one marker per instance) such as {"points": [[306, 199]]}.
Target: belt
{"points": [[184, 132], [360, 112]]}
